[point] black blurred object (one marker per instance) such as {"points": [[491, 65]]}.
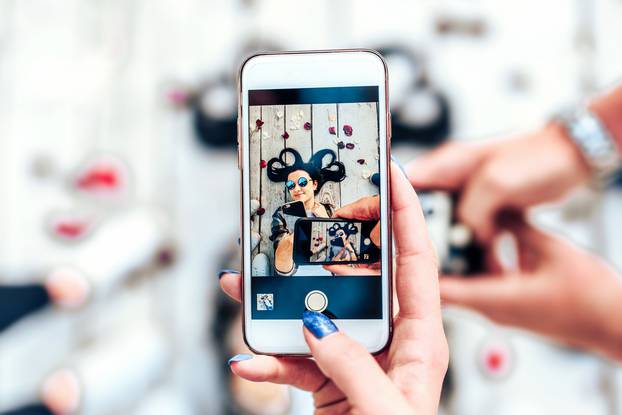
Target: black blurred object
{"points": [[215, 116], [31, 409], [465, 255], [214, 105], [420, 113], [617, 181], [17, 301]]}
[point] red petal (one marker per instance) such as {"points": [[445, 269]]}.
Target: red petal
{"points": [[258, 123], [263, 163], [285, 135], [350, 146], [261, 211], [331, 130], [360, 161], [307, 126], [347, 129]]}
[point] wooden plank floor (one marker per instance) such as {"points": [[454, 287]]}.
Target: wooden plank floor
{"points": [[358, 150]]}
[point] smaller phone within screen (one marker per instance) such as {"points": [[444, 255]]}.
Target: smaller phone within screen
{"points": [[292, 212], [335, 241]]}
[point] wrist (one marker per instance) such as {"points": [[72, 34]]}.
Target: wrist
{"points": [[613, 327], [562, 146]]}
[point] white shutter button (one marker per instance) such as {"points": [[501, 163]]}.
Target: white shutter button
{"points": [[316, 301]]}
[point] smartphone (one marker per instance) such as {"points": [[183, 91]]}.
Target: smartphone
{"points": [[292, 212], [335, 241], [313, 128]]}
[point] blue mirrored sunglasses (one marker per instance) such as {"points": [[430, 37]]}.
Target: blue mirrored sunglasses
{"points": [[291, 185]]}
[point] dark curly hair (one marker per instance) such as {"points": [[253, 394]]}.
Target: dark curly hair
{"points": [[333, 171], [348, 227]]}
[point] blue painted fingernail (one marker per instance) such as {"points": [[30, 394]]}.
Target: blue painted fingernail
{"points": [[239, 358], [227, 271], [375, 179], [318, 324]]}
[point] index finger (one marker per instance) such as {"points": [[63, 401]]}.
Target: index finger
{"points": [[366, 208]]}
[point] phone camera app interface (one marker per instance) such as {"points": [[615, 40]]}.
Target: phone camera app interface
{"points": [[315, 212]]}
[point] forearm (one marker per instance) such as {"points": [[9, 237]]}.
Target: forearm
{"points": [[608, 107], [609, 319]]}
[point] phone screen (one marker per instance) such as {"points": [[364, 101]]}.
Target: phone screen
{"points": [[313, 153], [343, 241]]}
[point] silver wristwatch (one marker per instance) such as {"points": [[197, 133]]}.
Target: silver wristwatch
{"points": [[594, 141]]}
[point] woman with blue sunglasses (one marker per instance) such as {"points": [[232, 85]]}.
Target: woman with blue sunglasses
{"points": [[304, 181]]}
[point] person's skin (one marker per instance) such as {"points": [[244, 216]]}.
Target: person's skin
{"points": [[515, 173], [284, 254], [366, 208], [344, 378], [559, 291]]}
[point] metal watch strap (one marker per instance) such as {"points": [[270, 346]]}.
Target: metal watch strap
{"points": [[594, 141]]}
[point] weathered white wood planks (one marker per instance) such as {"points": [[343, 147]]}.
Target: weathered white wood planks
{"points": [[272, 194], [254, 152], [325, 117], [326, 130], [363, 120]]}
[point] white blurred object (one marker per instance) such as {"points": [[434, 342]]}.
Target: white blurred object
{"points": [[164, 401], [124, 244], [116, 371]]}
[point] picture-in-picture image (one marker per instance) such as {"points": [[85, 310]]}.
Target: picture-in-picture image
{"points": [[314, 156]]}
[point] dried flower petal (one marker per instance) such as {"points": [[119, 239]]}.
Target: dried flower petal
{"points": [[331, 130], [307, 126], [331, 117], [350, 146], [341, 145], [285, 135], [360, 161], [261, 211], [258, 123], [263, 164], [347, 130]]}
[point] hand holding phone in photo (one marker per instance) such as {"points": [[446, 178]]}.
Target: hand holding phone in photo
{"points": [[366, 209]]}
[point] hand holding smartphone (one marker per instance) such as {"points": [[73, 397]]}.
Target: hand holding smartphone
{"points": [[313, 129]]}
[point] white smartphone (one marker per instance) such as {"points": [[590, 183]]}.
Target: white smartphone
{"points": [[313, 128]]}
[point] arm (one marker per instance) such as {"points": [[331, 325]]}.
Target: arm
{"points": [[608, 107]]}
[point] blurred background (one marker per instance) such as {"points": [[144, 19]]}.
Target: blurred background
{"points": [[119, 188]]}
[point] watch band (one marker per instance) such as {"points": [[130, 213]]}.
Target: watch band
{"points": [[594, 141]]}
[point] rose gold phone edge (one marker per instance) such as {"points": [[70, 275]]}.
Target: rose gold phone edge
{"points": [[387, 183]]}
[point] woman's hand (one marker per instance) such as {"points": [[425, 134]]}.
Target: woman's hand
{"points": [[365, 208], [344, 377], [509, 174], [559, 291], [284, 254]]}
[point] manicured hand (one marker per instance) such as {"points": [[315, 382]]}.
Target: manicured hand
{"points": [[344, 378], [509, 174], [559, 291]]}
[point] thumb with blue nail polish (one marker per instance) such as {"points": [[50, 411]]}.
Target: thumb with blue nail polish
{"points": [[318, 324], [347, 362]]}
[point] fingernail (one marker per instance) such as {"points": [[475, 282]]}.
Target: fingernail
{"points": [[227, 271], [239, 358], [396, 161], [318, 324], [375, 179]]}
